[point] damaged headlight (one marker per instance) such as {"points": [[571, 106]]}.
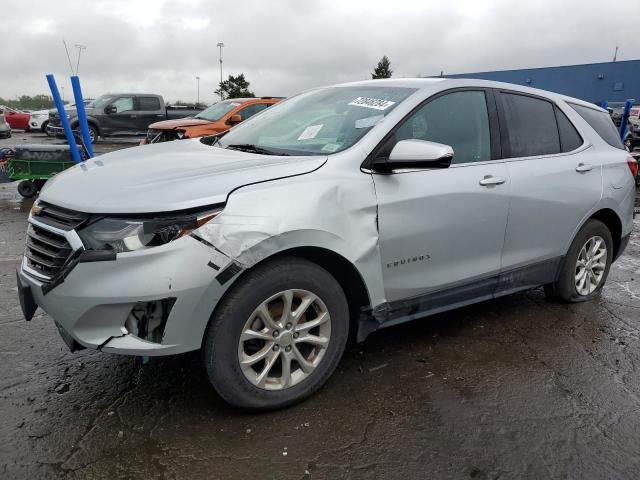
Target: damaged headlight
{"points": [[128, 235]]}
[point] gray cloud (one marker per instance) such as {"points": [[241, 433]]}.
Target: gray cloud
{"points": [[291, 45]]}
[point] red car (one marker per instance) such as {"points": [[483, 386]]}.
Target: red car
{"points": [[16, 119]]}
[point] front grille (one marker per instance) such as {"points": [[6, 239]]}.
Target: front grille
{"points": [[54, 119], [47, 251], [158, 136]]}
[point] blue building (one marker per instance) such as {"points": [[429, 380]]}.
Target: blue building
{"points": [[593, 82]]}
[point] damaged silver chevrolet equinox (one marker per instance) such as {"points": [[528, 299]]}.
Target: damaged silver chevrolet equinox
{"points": [[341, 210]]}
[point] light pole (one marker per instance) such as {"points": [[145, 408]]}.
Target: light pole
{"points": [[220, 45], [80, 49], [198, 82]]}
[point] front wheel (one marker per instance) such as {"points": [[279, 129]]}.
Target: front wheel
{"points": [[586, 265], [277, 335]]}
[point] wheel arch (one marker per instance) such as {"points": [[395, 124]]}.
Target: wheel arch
{"points": [[611, 219], [90, 121], [340, 268]]}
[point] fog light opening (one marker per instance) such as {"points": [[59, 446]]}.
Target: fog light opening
{"points": [[147, 320]]}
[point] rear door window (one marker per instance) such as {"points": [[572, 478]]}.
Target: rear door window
{"points": [[148, 104], [570, 139], [601, 122], [531, 126]]}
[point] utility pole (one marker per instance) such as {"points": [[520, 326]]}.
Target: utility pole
{"points": [[220, 45], [198, 82], [615, 54], [80, 49]]}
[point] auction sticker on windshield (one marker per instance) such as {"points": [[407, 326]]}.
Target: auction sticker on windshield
{"points": [[310, 132], [375, 103]]}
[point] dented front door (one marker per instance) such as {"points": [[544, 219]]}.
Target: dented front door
{"points": [[440, 228]]}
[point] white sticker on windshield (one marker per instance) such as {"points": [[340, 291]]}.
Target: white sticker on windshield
{"points": [[331, 147], [375, 103], [369, 121], [310, 132]]}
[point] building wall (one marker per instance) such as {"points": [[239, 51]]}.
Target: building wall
{"points": [[594, 82]]}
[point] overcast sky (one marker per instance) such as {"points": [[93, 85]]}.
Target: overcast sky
{"points": [[284, 46]]}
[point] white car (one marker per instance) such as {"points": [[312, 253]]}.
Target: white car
{"points": [[39, 120]]}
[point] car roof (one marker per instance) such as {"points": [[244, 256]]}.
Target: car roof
{"points": [[444, 83]]}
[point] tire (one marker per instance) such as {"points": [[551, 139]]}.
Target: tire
{"points": [[27, 189], [93, 133], [43, 127], [567, 286], [223, 347]]}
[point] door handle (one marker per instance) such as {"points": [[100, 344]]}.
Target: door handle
{"points": [[584, 167], [490, 181], [134, 116]]}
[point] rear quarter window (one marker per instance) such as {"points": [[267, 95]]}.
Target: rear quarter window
{"points": [[570, 139], [601, 122]]}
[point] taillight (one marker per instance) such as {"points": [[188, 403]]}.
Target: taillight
{"points": [[633, 166]]}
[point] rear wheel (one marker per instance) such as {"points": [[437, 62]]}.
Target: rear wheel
{"points": [[586, 265], [27, 189], [277, 335]]}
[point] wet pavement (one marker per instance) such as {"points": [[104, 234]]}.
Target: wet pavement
{"points": [[511, 388]]}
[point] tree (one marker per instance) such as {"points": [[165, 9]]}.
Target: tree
{"points": [[38, 102], [235, 87], [382, 69]]}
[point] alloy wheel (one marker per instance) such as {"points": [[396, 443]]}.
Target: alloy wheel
{"points": [[591, 265], [284, 339]]}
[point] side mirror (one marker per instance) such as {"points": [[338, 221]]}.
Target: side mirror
{"points": [[416, 154], [111, 109], [234, 119]]}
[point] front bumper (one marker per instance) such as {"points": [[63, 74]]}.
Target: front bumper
{"points": [[95, 299]]}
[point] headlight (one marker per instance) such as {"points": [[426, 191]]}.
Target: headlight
{"points": [[128, 235]]}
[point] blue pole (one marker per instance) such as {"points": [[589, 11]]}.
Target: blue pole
{"points": [[73, 146], [625, 117], [604, 104], [82, 115]]}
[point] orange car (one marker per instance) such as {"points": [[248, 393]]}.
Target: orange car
{"points": [[218, 118]]}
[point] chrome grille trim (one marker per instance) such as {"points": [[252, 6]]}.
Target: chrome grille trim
{"points": [[50, 242]]}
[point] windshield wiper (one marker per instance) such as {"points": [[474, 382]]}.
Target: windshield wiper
{"points": [[249, 147]]}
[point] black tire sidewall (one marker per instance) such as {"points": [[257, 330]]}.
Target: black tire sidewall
{"points": [[27, 189], [565, 287], [223, 333]]}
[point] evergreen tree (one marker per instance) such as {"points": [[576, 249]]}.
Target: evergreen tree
{"points": [[382, 70], [235, 87]]}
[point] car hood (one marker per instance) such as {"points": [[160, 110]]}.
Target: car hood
{"points": [[179, 122], [166, 177]]}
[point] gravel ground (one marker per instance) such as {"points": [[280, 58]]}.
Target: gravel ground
{"points": [[510, 388]]}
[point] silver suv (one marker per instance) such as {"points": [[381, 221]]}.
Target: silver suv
{"points": [[341, 210]]}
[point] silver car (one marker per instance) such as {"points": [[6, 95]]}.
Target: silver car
{"points": [[339, 211]]}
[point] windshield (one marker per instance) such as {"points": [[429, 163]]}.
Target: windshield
{"points": [[100, 101], [217, 111], [320, 122]]}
